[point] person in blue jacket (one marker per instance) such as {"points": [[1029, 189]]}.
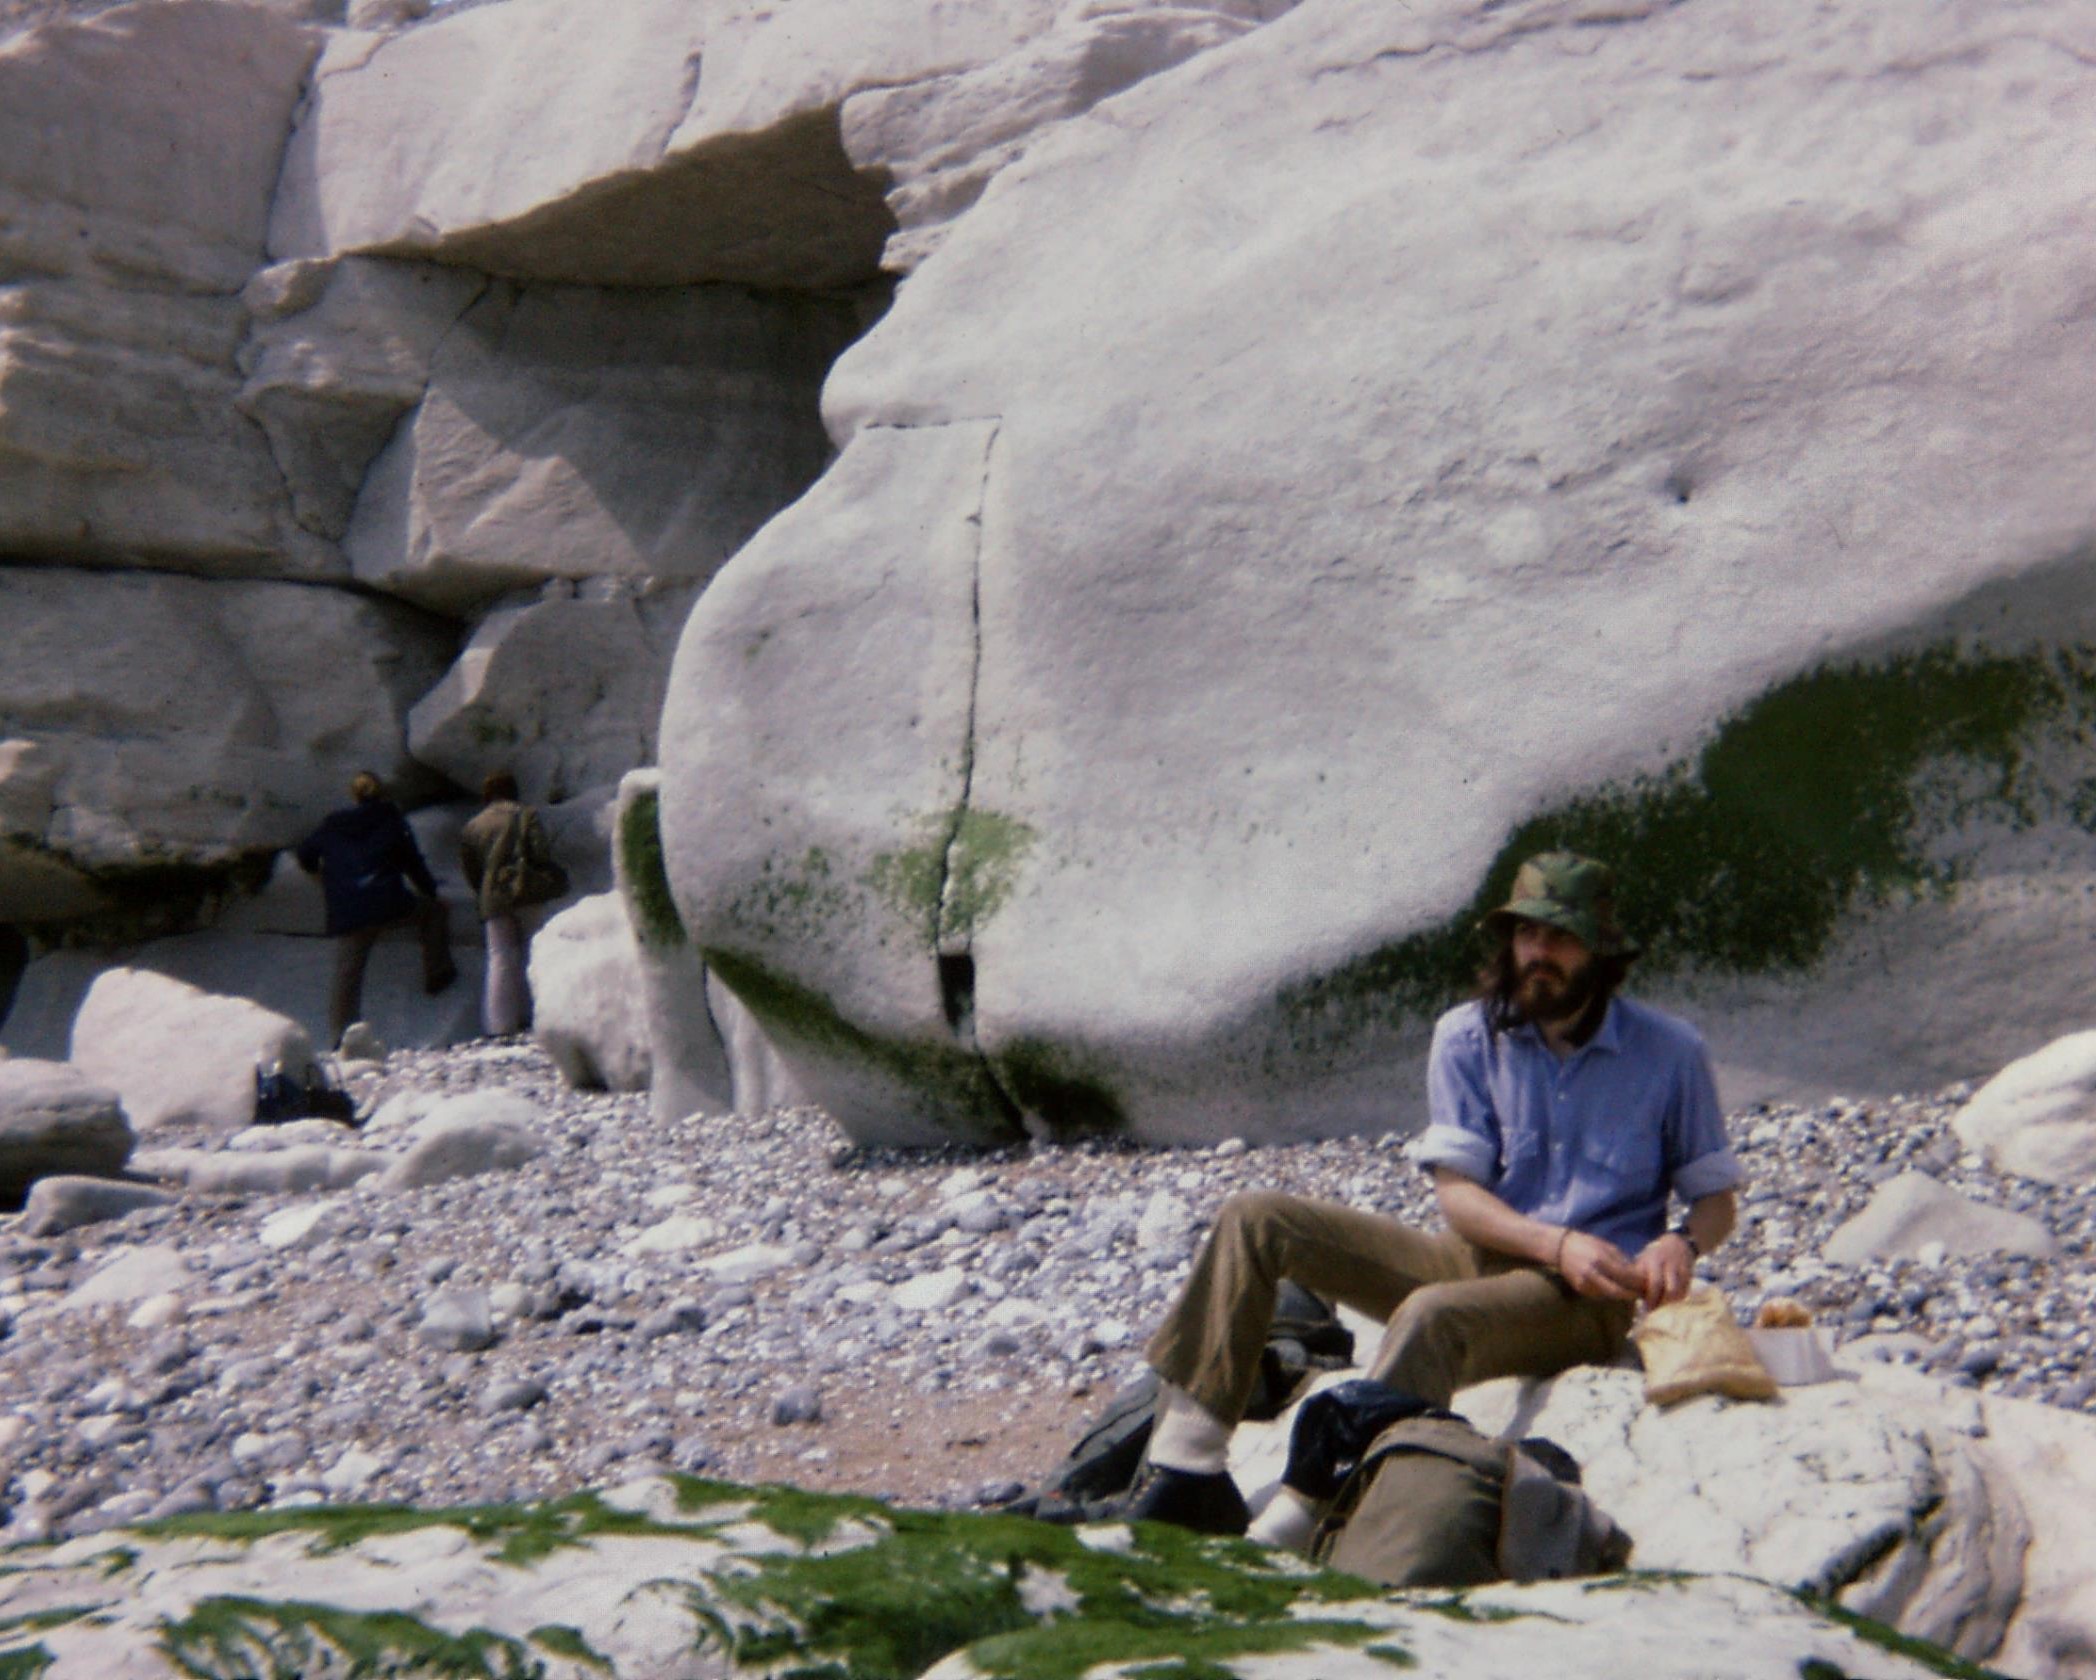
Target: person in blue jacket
{"points": [[367, 859]]}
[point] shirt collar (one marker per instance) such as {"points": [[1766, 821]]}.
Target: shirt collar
{"points": [[1607, 1037]]}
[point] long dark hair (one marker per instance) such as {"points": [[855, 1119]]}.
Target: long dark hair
{"points": [[1498, 980]]}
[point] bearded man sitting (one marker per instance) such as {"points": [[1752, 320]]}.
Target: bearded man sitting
{"points": [[1562, 1118]]}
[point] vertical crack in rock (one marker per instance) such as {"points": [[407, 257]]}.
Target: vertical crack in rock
{"points": [[954, 927]]}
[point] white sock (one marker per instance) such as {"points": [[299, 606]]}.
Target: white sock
{"points": [[1288, 1520], [1187, 1436]]}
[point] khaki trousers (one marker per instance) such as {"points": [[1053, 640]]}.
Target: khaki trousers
{"points": [[1457, 1314]]}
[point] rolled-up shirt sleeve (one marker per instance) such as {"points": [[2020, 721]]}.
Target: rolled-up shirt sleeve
{"points": [[1462, 1131], [1700, 1158]]}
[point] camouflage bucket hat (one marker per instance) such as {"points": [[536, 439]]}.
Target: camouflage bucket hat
{"points": [[1570, 892]]}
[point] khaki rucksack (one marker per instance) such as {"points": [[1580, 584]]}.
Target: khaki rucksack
{"points": [[1433, 1503]]}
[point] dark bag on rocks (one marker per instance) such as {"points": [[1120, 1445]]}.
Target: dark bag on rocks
{"points": [[318, 1096], [1433, 1503], [1305, 1339]]}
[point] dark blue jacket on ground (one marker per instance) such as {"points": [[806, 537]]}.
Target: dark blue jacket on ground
{"points": [[366, 855]]}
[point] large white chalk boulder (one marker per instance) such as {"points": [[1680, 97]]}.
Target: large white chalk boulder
{"points": [[55, 1120], [175, 1053], [575, 432], [2037, 1117], [588, 1010], [171, 719], [1676, 445], [139, 154]]}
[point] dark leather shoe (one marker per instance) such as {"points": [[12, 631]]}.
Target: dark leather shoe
{"points": [[1207, 1503]]}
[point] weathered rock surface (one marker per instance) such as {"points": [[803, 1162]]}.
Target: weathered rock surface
{"points": [[335, 354], [563, 693], [1168, 692], [644, 1578], [2037, 1116], [939, 139], [129, 222], [54, 1120], [174, 1053], [580, 432], [177, 719], [1913, 1211], [1876, 1493]]}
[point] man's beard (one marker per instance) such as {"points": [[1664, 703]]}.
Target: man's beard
{"points": [[1546, 994]]}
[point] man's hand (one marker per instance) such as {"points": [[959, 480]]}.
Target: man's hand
{"points": [[1664, 1269], [1598, 1269]]}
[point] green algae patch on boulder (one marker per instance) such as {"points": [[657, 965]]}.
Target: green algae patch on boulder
{"points": [[1815, 799], [955, 879], [936, 1583], [234, 1638], [647, 884], [24, 1664], [941, 1078]]}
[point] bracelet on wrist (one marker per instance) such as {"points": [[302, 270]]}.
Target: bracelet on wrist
{"points": [[1682, 1231], [1557, 1259]]}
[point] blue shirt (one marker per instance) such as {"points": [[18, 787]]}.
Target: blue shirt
{"points": [[1596, 1140]]}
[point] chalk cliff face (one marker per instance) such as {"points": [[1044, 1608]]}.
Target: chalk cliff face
{"points": [[382, 396], [1396, 440]]}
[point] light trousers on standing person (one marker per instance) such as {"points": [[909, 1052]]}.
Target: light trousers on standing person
{"points": [[353, 954], [505, 996], [1457, 1314]]}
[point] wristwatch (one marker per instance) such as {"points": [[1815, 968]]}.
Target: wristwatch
{"points": [[1686, 1235]]}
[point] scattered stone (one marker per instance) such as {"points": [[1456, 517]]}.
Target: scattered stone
{"points": [[361, 1043], [458, 1320], [798, 1404]]}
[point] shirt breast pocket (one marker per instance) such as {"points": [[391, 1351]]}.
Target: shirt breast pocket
{"points": [[1624, 1158]]}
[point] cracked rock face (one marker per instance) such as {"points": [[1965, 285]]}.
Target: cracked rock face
{"points": [[1676, 446]]}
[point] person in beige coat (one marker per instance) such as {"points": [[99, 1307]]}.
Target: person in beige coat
{"points": [[492, 839]]}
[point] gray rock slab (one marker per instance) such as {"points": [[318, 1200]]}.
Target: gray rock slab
{"points": [[137, 1274], [288, 973], [54, 1119], [277, 1172], [1912, 1211], [463, 1137], [66, 1203]]}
